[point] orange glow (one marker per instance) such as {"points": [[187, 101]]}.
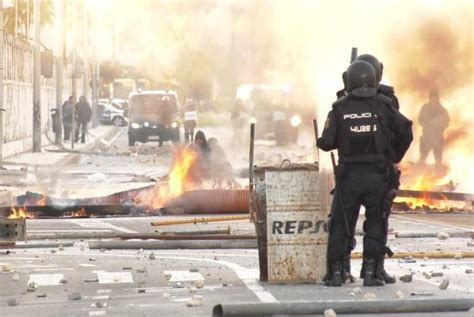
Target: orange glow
{"points": [[20, 213], [423, 184], [77, 213], [180, 179], [41, 202]]}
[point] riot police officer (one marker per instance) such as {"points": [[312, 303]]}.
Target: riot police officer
{"points": [[394, 173], [369, 134]]}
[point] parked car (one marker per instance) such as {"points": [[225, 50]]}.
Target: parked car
{"points": [[153, 116], [108, 114]]}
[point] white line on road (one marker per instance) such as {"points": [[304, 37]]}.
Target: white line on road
{"points": [[97, 313], [113, 277], [67, 230], [247, 276], [184, 276], [45, 279], [94, 223]]}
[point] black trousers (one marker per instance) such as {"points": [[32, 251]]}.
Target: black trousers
{"points": [[360, 185], [82, 126]]}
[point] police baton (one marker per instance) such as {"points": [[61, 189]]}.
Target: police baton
{"points": [[338, 193], [316, 133]]}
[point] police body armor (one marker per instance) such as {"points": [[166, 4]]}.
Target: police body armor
{"points": [[361, 137]]}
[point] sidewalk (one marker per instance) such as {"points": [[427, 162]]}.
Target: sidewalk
{"points": [[48, 158], [22, 170]]}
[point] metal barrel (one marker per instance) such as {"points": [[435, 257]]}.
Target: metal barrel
{"points": [[292, 204]]}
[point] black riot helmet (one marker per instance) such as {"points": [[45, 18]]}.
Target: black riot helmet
{"points": [[372, 60], [361, 80]]}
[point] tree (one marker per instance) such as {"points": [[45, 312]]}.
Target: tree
{"points": [[47, 16]]}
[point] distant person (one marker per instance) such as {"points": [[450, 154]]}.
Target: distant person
{"points": [[190, 119], [83, 117], [67, 113], [434, 119]]}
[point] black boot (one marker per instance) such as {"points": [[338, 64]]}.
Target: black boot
{"points": [[335, 274], [382, 274], [346, 272], [370, 273]]}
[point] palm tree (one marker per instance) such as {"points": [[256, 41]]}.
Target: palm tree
{"points": [[25, 12]]}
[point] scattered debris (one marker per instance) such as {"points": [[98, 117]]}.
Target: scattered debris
{"points": [[192, 289], [74, 296], [42, 295], [408, 259], [443, 236], [421, 294], [53, 251], [152, 256], [99, 304], [6, 268], [143, 270], [426, 258], [168, 277], [126, 268], [92, 259], [369, 296], [82, 248], [198, 284], [193, 270], [468, 271], [357, 290], [329, 313], [102, 250], [12, 302], [63, 281], [15, 277], [407, 278], [178, 285], [444, 267], [444, 284], [427, 275], [61, 247], [141, 291], [166, 295], [458, 256], [437, 274], [470, 244], [91, 280], [399, 295]]}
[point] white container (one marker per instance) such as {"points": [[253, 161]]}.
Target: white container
{"points": [[297, 208]]}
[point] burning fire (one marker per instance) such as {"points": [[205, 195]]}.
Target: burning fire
{"points": [[19, 213], [180, 179], [75, 214], [424, 184]]}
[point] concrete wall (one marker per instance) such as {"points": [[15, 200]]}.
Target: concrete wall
{"points": [[18, 97]]}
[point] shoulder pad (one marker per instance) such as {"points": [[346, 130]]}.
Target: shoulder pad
{"points": [[339, 101], [386, 90], [383, 98]]}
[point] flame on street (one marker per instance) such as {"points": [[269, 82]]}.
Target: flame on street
{"points": [[19, 213], [182, 177]]}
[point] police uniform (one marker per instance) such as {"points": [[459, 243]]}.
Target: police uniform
{"points": [[362, 126], [393, 171]]}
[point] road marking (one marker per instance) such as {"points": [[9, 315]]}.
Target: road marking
{"points": [[113, 277], [45, 279], [86, 265], [101, 297], [104, 291], [97, 313], [54, 269], [179, 300], [184, 276], [243, 273], [94, 223]]}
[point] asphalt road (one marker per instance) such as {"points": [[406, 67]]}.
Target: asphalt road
{"points": [[43, 281]]}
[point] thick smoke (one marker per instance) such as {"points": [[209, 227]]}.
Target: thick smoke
{"points": [[432, 55]]}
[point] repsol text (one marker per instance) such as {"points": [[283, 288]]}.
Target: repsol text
{"points": [[299, 227]]}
